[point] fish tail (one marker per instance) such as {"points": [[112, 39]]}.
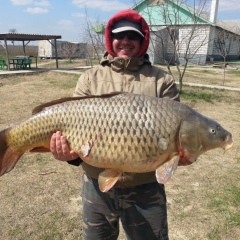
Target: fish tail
{"points": [[8, 158]]}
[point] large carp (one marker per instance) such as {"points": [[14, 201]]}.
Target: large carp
{"points": [[119, 132]]}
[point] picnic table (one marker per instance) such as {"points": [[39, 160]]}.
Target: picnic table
{"points": [[20, 62]]}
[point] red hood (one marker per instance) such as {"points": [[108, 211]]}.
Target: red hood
{"points": [[134, 17]]}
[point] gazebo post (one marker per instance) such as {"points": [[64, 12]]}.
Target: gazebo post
{"points": [[24, 50], [7, 55], [56, 53]]}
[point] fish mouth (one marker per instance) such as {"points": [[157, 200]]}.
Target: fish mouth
{"points": [[228, 143]]}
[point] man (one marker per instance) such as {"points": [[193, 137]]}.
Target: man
{"points": [[136, 199]]}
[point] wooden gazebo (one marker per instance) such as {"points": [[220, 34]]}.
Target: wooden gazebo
{"points": [[25, 39]]}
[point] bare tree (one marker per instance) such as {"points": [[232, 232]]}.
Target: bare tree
{"points": [[13, 30], [179, 38], [94, 37], [223, 44], [70, 50]]}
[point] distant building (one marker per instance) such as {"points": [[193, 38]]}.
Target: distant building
{"points": [[65, 49], [169, 19]]}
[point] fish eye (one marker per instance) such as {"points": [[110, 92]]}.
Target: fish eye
{"points": [[212, 131]]}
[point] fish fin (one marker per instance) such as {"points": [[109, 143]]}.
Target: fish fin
{"points": [[40, 149], [108, 178], [67, 99], [165, 171], [51, 103], [8, 158], [86, 148]]}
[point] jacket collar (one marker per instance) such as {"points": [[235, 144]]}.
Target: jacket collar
{"points": [[119, 64]]}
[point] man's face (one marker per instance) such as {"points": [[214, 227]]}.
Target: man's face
{"points": [[126, 44]]}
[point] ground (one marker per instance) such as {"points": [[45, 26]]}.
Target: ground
{"points": [[41, 197]]}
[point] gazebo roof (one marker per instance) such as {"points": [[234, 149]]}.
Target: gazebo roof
{"points": [[27, 37]]}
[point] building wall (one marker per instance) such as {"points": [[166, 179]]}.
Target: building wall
{"points": [[167, 14], [230, 42], [195, 39], [158, 46], [193, 42], [65, 49], [45, 49], [202, 48]]}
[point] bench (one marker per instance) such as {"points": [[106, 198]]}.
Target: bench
{"points": [[23, 63], [3, 64], [27, 63], [18, 64]]}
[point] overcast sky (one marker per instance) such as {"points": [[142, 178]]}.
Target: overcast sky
{"points": [[66, 17]]}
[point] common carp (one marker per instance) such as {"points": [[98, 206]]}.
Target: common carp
{"points": [[120, 132]]}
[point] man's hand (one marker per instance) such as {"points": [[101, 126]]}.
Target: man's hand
{"points": [[60, 149]]}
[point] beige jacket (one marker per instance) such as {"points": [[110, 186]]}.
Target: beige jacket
{"points": [[135, 75]]}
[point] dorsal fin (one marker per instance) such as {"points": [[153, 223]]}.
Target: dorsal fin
{"points": [[62, 100]]}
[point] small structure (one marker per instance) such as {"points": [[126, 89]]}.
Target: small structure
{"points": [[25, 39], [180, 32], [66, 49]]}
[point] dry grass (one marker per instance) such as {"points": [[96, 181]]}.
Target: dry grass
{"points": [[41, 197]]}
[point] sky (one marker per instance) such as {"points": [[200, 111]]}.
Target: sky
{"points": [[67, 17]]}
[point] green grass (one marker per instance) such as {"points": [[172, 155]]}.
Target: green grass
{"points": [[70, 84], [2, 55], [41, 159], [194, 96], [215, 234], [47, 228], [227, 201], [50, 229], [62, 63], [199, 71], [17, 230], [234, 61], [237, 73]]}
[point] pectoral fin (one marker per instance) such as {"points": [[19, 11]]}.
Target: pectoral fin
{"points": [[165, 171], [108, 178], [86, 148]]}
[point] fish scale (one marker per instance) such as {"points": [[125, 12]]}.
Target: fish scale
{"points": [[119, 132]]}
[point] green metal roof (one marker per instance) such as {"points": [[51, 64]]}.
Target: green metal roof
{"points": [[168, 12]]}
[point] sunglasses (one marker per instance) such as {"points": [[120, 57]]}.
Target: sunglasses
{"points": [[131, 35]]}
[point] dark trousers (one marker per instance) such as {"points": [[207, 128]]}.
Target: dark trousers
{"points": [[141, 209]]}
